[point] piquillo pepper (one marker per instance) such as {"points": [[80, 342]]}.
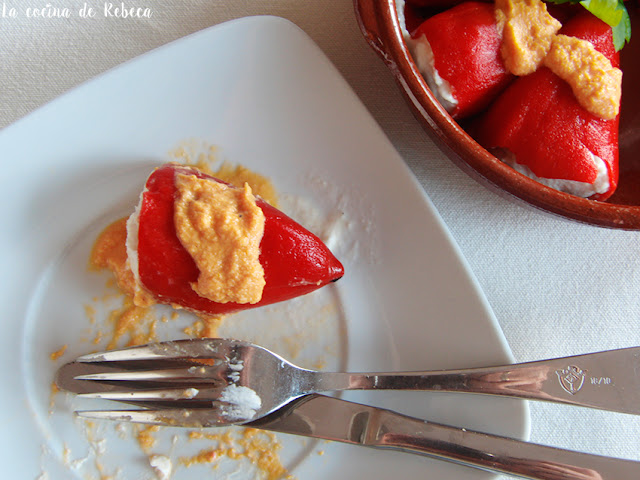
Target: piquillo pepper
{"points": [[295, 261], [540, 122], [466, 54]]}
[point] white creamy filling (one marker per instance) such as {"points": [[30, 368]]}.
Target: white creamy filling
{"points": [[423, 56], [574, 187], [133, 223]]}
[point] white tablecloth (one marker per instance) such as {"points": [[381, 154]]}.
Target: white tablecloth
{"points": [[557, 288]]}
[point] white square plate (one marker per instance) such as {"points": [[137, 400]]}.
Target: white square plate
{"points": [[267, 96]]}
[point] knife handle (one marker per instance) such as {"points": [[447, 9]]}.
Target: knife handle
{"points": [[494, 453], [338, 420], [608, 380]]}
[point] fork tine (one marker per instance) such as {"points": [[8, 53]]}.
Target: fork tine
{"points": [[167, 417], [218, 414], [174, 394], [143, 352], [189, 348], [201, 373]]}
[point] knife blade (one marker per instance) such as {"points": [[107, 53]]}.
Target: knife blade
{"points": [[342, 421]]}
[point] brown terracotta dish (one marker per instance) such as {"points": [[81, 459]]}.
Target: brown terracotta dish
{"points": [[380, 26]]}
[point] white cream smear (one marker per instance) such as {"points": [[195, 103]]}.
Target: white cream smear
{"points": [[423, 57], [574, 187], [235, 368], [133, 223], [242, 403], [162, 466]]}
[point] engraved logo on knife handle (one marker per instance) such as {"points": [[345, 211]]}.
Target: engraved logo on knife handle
{"points": [[571, 379]]}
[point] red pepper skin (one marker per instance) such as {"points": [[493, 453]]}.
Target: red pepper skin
{"points": [[466, 51], [433, 3], [540, 121], [295, 261]]}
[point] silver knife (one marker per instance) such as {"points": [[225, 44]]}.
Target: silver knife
{"points": [[334, 419]]}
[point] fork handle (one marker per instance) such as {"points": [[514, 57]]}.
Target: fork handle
{"points": [[606, 380]]}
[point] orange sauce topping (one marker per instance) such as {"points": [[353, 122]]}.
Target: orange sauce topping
{"points": [[221, 228]]}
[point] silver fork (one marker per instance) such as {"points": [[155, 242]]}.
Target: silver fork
{"points": [[239, 382]]}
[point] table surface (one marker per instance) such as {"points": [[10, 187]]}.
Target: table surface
{"points": [[557, 288]]}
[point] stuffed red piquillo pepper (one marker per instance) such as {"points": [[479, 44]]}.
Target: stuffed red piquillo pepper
{"points": [[538, 126], [294, 260], [458, 53]]}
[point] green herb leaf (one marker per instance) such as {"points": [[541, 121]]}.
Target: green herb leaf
{"points": [[605, 10], [622, 31], [612, 12], [560, 2]]}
